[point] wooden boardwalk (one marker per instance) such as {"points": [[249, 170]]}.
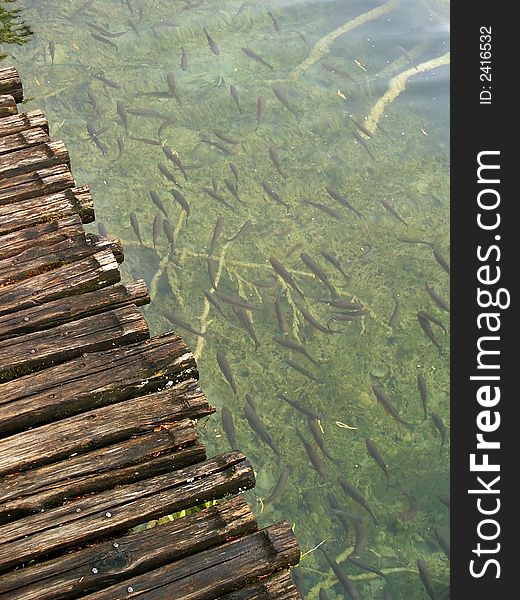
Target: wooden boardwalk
{"points": [[98, 421]]}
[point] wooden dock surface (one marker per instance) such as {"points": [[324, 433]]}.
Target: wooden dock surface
{"points": [[98, 420]]}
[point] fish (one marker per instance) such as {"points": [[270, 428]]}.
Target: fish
{"points": [[316, 462], [121, 147], [232, 189], [173, 156], [341, 576], [217, 232], [441, 260], [441, 428], [344, 304], [212, 44], [181, 201], [442, 304], [150, 113], [121, 111], [282, 272], [318, 437], [394, 317], [322, 594], [313, 266], [276, 25], [245, 320], [83, 7], [389, 407], [257, 57], [364, 567], [423, 392], [217, 197], [407, 240], [273, 153], [184, 60], [92, 98], [301, 407], [295, 347], [294, 365], [246, 227], [226, 371], [94, 136], [376, 455], [225, 137], [52, 50], [280, 96], [156, 94], [156, 229], [172, 85], [103, 31], [229, 427], [268, 189], [404, 53], [341, 516], [361, 127], [260, 106], [280, 316], [426, 327], [103, 39], [356, 495], [423, 314], [168, 232], [363, 144], [147, 141], [234, 94], [234, 300], [133, 26], [234, 170], [315, 323], [342, 200], [426, 579], [177, 321], [258, 426], [212, 271], [158, 202], [221, 147], [326, 209], [167, 173], [340, 72], [267, 283], [135, 226], [334, 262], [280, 486], [211, 299], [443, 541], [392, 211]]}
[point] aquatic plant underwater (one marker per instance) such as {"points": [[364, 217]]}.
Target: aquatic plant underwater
{"points": [[278, 172]]}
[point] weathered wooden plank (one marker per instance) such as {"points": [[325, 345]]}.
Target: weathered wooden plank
{"points": [[10, 83], [127, 556], [101, 427], [84, 520], [94, 272], [33, 211], [94, 380], [36, 183], [277, 587], [64, 310], [22, 122], [106, 243], [7, 105], [21, 140], [216, 571], [34, 351], [33, 158]]}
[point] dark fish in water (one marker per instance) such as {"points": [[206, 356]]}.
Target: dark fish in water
{"points": [[340, 72], [356, 495], [385, 133], [406, 240], [341, 516], [433, 319], [315, 323], [346, 583], [257, 57], [172, 85], [280, 316], [301, 407], [226, 371], [327, 210], [426, 579], [212, 271], [158, 202], [280, 96], [364, 567], [103, 39], [251, 401], [92, 98], [184, 60], [229, 427], [441, 260], [258, 426], [246, 227], [389, 407], [150, 113], [134, 27], [177, 321], [120, 147], [318, 437], [294, 365], [411, 511], [442, 304], [443, 541], [104, 32], [361, 127], [102, 229], [212, 44], [171, 155], [395, 314], [363, 144], [221, 147], [260, 106], [423, 391], [52, 51], [232, 189], [121, 111], [404, 53], [441, 428], [108, 82], [322, 595], [93, 135], [168, 232], [211, 299], [280, 486], [83, 7], [344, 304], [273, 153], [267, 283], [295, 347], [342, 200], [282, 272], [181, 201], [313, 266], [334, 262], [217, 232], [268, 189], [316, 462], [426, 327], [234, 94], [234, 300], [156, 229], [276, 25], [168, 174], [147, 141], [217, 197], [393, 212], [234, 170], [245, 320], [135, 226], [225, 137], [376, 455]]}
